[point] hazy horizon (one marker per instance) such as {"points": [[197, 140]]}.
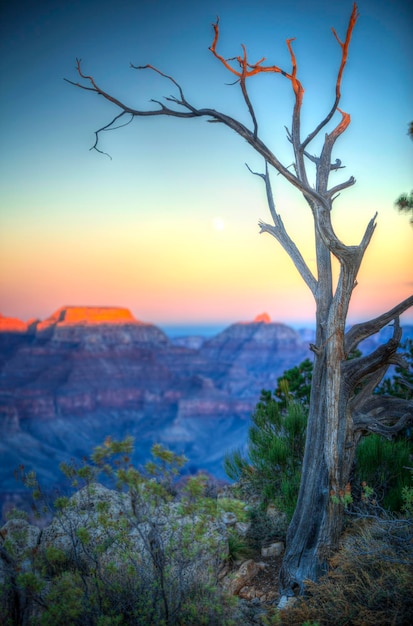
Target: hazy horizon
{"points": [[175, 328]]}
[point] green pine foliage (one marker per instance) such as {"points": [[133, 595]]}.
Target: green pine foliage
{"points": [[298, 386], [272, 464], [384, 465], [275, 449]]}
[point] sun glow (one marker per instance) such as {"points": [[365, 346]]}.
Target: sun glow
{"points": [[218, 223]]}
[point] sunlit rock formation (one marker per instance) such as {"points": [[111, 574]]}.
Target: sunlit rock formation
{"points": [[264, 318]]}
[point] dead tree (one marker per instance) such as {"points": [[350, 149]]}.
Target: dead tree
{"points": [[343, 406]]}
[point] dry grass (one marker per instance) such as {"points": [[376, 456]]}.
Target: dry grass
{"points": [[370, 582]]}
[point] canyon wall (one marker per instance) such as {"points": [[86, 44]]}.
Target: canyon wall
{"points": [[85, 373]]}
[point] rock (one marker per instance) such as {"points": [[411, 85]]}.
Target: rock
{"points": [[286, 602], [193, 342], [249, 349], [82, 511], [263, 318], [14, 325], [233, 583], [274, 549], [107, 536], [269, 597], [139, 528], [20, 534], [247, 593], [22, 539], [250, 613], [242, 528], [272, 511], [229, 519]]}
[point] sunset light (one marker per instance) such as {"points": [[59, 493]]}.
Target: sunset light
{"points": [[168, 226]]}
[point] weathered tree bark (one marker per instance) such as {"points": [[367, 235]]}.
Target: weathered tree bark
{"points": [[342, 404]]}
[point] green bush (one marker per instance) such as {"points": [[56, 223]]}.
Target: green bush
{"points": [[264, 529], [118, 566], [384, 466]]}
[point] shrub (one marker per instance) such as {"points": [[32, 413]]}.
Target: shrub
{"points": [[265, 529], [139, 555], [238, 548], [384, 465], [275, 451]]}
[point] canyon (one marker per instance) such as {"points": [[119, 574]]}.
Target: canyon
{"points": [[86, 373]]}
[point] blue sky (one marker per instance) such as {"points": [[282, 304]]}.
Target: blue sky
{"points": [[168, 227]]}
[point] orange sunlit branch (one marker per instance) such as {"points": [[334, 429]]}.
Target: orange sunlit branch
{"points": [[248, 70], [344, 47], [297, 86]]}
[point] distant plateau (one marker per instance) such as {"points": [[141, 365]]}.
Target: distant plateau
{"points": [[85, 373]]}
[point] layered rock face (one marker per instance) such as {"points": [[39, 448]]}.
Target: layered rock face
{"points": [[86, 372], [256, 351]]}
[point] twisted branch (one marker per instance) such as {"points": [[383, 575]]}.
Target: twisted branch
{"points": [[361, 331]]}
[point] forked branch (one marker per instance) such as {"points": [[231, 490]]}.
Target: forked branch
{"points": [[344, 55], [251, 69], [279, 232], [184, 109], [358, 332], [384, 415]]}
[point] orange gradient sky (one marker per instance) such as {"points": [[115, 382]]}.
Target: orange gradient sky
{"points": [[168, 227]]}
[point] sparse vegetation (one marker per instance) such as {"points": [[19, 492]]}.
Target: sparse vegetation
{"points": [[370, 580], [276, 441], [148, 551], [137, 555]]}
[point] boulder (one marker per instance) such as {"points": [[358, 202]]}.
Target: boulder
{"points": [[274, 549], [234, 582]]}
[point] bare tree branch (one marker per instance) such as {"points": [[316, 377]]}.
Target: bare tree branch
{"points": [[324, 162], [344, 55], [248, 70], [348, 183], [355, 370], [365, 329], [384, 415], [279, 232], [192, 112]]}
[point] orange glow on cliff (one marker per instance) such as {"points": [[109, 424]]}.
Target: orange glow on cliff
{"points": [[95, 315], [72, 315]]}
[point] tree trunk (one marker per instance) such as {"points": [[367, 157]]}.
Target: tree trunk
{"points": [[329, 453], [343, 406], [340, 413]]}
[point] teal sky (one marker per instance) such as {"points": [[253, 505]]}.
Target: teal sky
{"points": [[168, 227]]}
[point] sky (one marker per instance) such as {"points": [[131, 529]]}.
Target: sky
{"points": [[168, 227]]}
